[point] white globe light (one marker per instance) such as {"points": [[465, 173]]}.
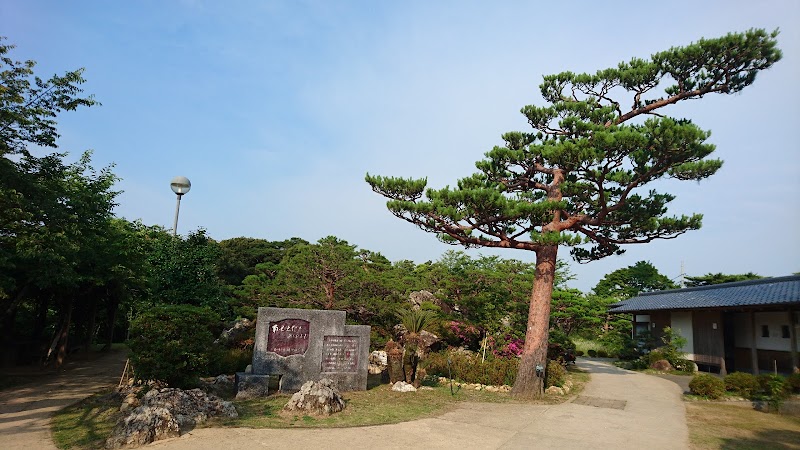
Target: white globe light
{"points": [[180, 185]]}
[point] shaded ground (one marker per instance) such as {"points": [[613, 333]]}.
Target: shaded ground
{"points": [[25, 410]]}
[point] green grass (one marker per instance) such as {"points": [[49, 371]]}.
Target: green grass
{"points": [[86, 424], [586, 344]]}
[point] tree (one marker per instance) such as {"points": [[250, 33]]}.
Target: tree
{"points": [[578, 178], [183, 270], [719, 278], [28, 107], [240, 256], [50, 212], [632, 280], [574, 312]]}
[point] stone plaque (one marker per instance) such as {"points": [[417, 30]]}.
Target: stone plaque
{"points": [[340, 354], [288, 337]]}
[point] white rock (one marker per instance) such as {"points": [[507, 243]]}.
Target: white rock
{"points": [[554, 390], [402, 386]]}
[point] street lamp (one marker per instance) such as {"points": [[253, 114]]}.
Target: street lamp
{"points": [[180, 186]]}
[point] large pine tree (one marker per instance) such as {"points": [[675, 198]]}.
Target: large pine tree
{"points": [[578, 178]]}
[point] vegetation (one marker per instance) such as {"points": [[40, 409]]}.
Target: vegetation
{"points": [[472, 368], [172, 343], [579, 177], [719, 278], [740, 383], [706, 385], [715, 425]]}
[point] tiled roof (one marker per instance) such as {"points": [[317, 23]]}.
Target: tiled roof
{"points": [[761, 292]]}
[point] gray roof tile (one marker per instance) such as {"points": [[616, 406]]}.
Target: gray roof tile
{"points": [[762, 292]]}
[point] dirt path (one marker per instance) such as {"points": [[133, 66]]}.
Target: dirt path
{"points": [[25, 410]]}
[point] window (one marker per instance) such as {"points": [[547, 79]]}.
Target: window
{"points": [[764, 330], [785, 331]]}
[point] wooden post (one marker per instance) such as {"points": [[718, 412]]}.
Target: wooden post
{"points": [[753, 349], [793, 343]]}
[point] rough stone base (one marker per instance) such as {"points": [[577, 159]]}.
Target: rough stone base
{"points": [[250, 385]]}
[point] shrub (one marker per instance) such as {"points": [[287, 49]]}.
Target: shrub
{"points": [[707, 386], [467, 367], [592, 353], [556, 374], [173, 343], [773, 389], [559, 344], [743, 384], [602, 353], [794, 382], [229, 360], [578, 352], [653, 356], [684, 365]]}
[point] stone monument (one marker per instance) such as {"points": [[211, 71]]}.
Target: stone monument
{"points": [[300, 345]]}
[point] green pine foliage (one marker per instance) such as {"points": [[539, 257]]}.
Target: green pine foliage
{"points": [[580, 177]]}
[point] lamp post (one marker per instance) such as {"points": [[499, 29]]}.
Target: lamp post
{"points": [[180, 186]]}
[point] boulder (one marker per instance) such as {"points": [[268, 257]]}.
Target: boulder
{"points": [[142, 426], [238, 332], [554, 390], [661, 365], [419, 297], [378, 360], [250, 385], [166, 413], [402, 386], [316, 397], [189, 407]]}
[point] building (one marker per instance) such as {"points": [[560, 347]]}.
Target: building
{"points": [[746, 326]]}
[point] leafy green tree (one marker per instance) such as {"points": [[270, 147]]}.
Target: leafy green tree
{"points": [[29, 105], [183, 270], [632, 280], [240, 256], [719, 278], [572, 312], [579, 177]]}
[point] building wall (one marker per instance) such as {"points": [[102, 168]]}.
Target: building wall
{"points": [[773, 321], [707, 333], [659, 320], [682, 324]]}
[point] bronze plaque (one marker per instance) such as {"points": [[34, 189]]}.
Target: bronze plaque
{"points": [[288, 337], [340, 354]]}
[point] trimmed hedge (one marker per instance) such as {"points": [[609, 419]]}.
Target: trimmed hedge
{"points": [[469, 368], [707, 386], [743, 384]]}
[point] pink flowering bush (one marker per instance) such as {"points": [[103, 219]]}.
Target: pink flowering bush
{"points": [[460, 334]]}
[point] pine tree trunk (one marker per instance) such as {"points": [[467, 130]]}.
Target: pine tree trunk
{"points": [[529, 383]]}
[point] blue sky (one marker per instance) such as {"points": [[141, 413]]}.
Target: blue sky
{"points": [[276, 110]]}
